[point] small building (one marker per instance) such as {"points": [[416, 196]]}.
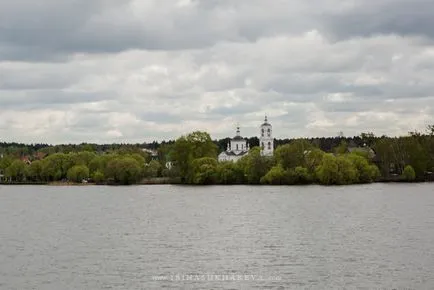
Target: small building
{"points": [[237, 148]]}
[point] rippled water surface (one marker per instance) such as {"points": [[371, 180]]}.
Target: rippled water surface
{"points": [[179, 237]]}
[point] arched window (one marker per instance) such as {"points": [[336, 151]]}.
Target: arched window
{"points": [[262, 132], [269, 145], [269, 132], [263, 145], [237, 147]]}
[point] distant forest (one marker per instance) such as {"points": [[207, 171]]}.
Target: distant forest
{"points": [[20, 149]]}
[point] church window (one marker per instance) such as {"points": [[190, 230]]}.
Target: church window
{"points": [[237, 147], [269, 145], [262, 132], [263, 146], [269, 132]]}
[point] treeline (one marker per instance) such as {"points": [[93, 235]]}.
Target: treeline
{"points": [[18, 149], [120, 167], [299, 162], [192, 159], [302, 161]]}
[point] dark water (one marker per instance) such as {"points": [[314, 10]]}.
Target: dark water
{"points": [[290, 237]]}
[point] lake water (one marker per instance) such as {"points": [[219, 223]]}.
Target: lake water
{"points": [[235, 237]]}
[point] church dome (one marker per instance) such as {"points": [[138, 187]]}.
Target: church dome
{"points": [[238, 135]]}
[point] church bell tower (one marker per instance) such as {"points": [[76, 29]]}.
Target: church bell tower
{"points": [[266, 141]]}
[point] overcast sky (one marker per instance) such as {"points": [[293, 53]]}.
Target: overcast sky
{"points": [[143, 70]]}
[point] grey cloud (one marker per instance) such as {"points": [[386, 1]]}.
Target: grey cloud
{"points": [[236, 110], [367, 18], [101, 71], [160, 117], [24, 100], [49, 29], [67, 27]]}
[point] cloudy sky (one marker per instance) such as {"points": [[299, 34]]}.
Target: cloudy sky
{"points": [[142, 70]]}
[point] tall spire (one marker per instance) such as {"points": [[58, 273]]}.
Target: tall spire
{"points": [[238, 130]]}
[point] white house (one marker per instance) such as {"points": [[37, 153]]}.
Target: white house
{"points": [[238, 147]]}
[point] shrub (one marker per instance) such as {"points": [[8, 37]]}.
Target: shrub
{"points": [[153, 169], [408, 174], [302, 176], [276, 175], [328, 171], [229, 173], [204, 171], [78, 173], [98, 177]]}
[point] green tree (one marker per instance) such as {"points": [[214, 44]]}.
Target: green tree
{"points": [[366, 173], [172, 173], [347, 173], [408, 174], [395, 153], [55, 167], [416, 154], [298, 175], [16, 171], [314, 159], [204, 171], [188, 148], [342, 148], [229, 173], [374, 172], [5, 162], [78, 173], [202, 145], [83, 158], [293, 154], [98, 177], [124, 170], [34, 170], [276, 175], [141, 160], [384, 155], [183, 156], [153, 169], [328, 171], [99, 163], [255, 166]]}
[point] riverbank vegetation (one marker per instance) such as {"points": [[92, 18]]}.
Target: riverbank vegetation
{"points": [[192, 159]]}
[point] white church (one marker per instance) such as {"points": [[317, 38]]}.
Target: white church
{"points": [[238, 146]]}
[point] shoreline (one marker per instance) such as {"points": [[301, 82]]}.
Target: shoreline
{"points": [[64, 184]]}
